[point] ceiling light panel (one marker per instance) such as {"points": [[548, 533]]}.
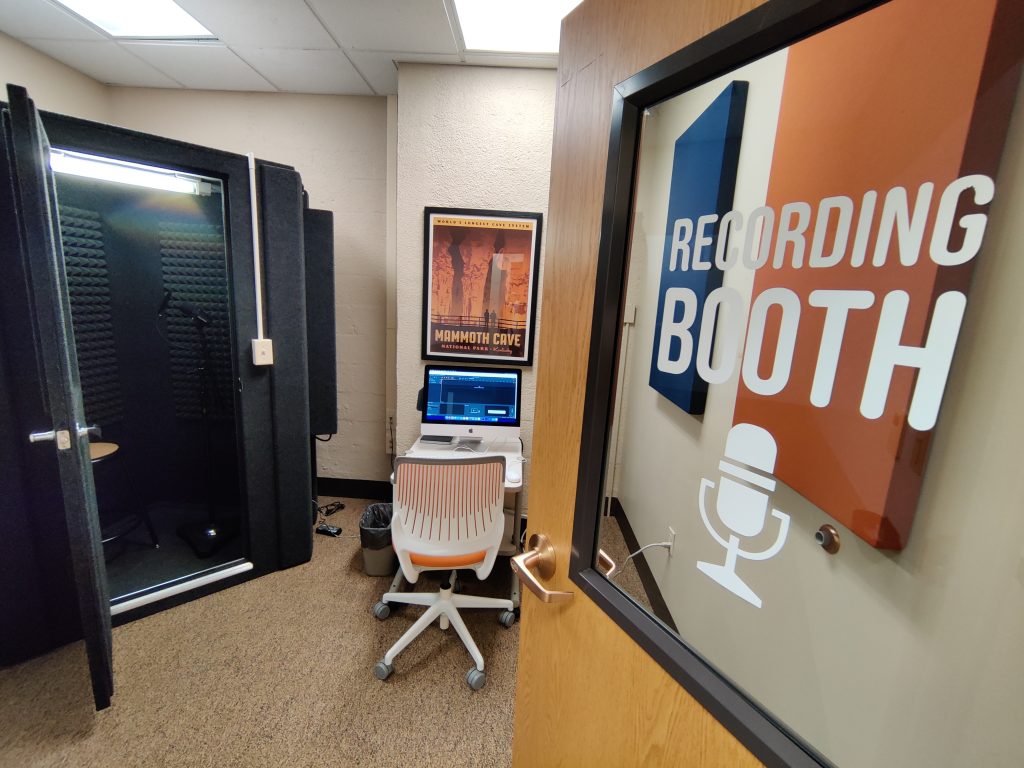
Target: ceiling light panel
{"points": [[512, 26], [161, 19]]}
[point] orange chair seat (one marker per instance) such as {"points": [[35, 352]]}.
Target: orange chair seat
{"points": [[447, 561]]}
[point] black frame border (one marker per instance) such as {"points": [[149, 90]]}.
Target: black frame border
{"points": [[534, 286], [770, 27]]}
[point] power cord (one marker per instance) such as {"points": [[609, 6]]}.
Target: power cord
{"points": [[615, 571], [329, 509], [323, 512]]}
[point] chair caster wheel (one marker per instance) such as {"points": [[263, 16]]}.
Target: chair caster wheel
{"points": [[475, 679], [507, 618], [381, 611], [382, 671]]}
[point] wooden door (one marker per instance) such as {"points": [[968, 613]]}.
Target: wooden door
{"points": [[588, 694]]}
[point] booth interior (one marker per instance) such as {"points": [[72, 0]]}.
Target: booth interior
{"points": [[147, 279]]}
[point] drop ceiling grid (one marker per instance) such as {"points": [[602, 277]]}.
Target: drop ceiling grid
{"points": [[104, 61], [304, 46], [306, 70], [42, 20], [209, 66], [411, 26], [261, 23]]}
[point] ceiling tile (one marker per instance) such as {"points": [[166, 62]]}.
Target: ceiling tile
{"points": [[379, 70], [206, 66], [261, 23], [106, 62], [306, 71], [416, 26], [42, 20]]}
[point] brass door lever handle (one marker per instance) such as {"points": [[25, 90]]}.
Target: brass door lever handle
{"points": [[541, 556]]}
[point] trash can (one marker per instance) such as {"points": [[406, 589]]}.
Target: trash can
{"points": [[375, 536]]}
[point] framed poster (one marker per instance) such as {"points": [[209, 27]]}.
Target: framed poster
{"points": [[480, 285]]}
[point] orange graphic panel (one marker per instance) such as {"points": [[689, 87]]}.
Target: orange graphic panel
{"points": [[911, 92]]}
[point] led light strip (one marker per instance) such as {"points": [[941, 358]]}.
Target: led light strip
{"points": [[120, 172]]}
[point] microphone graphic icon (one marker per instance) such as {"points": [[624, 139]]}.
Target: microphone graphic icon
{"points": [[743, 506]]}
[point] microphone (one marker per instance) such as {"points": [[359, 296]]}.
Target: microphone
{"points": [[743, 506], [192, 311], [163, 304]]}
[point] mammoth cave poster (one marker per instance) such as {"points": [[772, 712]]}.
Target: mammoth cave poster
{"points": [[480, 285]]}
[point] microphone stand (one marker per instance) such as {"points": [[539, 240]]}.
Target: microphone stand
{"points": [[205, 538]]}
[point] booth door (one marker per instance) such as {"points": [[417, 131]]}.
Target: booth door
{"points": [[64, 432]]}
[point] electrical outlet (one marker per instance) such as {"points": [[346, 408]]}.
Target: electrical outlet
{"points": [[671, 540], [262, 352]]}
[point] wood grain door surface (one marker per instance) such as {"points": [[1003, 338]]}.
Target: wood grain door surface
{"points": [[587, 694]]}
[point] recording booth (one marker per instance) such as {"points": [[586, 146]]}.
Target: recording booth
{"points": [[175, 259]]}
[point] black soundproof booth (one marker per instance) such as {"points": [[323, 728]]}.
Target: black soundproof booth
{"points": [[152, 452]]}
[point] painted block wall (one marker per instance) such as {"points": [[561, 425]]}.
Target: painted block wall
{"points": [[468, 137]]}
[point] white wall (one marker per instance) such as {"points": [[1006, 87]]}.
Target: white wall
{"points": [[468, 137], [53, 86], [339, 146]]}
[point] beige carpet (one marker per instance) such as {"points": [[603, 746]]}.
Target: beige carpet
{"points": [[274, 672]]}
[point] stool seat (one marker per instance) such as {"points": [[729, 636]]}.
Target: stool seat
{"points": [[101, 451]]}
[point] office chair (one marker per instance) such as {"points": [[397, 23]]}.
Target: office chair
{"points": [[447, 515]]}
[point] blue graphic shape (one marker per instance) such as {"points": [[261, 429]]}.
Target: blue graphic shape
{"points": [[703, 182]]}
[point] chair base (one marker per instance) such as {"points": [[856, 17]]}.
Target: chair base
{"points": [[443, 605]]}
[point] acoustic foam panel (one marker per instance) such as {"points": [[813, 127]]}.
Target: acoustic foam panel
{"points": [[193, 265], [318, 228], [88, 280]]}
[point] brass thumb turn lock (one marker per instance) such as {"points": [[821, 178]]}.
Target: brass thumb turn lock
{"points": [[541, 557]]}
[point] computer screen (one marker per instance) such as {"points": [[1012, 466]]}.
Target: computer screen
{"points": [[471, 402]]}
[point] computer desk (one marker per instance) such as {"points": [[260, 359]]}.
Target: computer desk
{"points": [[512, 450]]}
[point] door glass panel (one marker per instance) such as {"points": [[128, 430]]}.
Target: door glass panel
{"points": [[147, 275], [816, 425]]}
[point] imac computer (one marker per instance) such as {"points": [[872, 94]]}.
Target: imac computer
{"points": [[470, 404]]}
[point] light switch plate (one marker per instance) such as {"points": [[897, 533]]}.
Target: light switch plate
{"points": [[262, 352]]}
